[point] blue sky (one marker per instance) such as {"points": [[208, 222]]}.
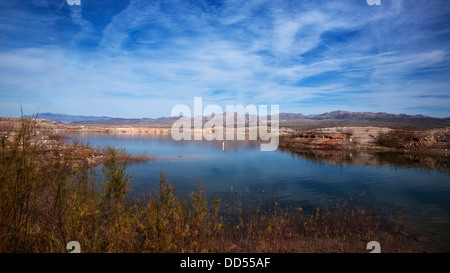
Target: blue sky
{"points": [[134, 58]]}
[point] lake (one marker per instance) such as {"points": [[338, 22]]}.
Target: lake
{"points": [[298, 179]]}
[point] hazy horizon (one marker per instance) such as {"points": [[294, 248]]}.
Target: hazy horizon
{"points": [[156, 117], [136, 59]]}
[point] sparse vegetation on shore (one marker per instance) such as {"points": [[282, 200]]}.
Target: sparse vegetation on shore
{"points": [[46, 204]]}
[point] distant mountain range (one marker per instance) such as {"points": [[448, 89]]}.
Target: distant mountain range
{"points": [[330, 118], [62, 118], [351, 115]]}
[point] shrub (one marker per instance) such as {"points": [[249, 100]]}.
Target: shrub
{"points": [[387, 139]]}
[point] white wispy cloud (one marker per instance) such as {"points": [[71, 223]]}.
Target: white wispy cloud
{"points": [[306, 56]]}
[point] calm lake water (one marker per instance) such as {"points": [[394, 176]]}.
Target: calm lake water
{"points": [[299, 179]]}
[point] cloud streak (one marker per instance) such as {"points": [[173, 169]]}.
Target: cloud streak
{"points": [[144, 57]]}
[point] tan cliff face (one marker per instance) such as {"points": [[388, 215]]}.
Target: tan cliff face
{"points": [[42, 125], [117, 130]]}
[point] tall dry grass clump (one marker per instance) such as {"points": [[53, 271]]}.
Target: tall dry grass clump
{"points": [[32, 193]]}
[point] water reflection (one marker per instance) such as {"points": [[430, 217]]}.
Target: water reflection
{"points": [[418, 184], [164, 145], [362, 158]]}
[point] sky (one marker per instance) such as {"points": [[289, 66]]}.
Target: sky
{"points": [[136, 58]]}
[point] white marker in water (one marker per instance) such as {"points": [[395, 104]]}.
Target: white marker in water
{"points": [[223, 146]]}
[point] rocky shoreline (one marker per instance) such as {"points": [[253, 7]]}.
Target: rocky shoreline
{"points": [[426, 141], [52, 147]]}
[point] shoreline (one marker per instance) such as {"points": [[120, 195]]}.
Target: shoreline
{"points": [[419, 144]]}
